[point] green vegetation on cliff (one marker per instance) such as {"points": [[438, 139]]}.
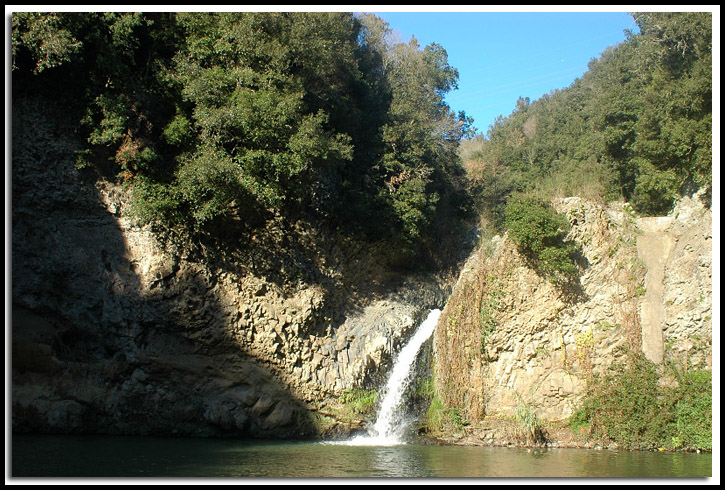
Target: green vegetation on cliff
{"points": [[630, 406], [220, 120], [637, 125], [540, 234]]}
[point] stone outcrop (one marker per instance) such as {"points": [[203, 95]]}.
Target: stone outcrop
{"points": [[115, 332], [645, 284], [687, 283]]}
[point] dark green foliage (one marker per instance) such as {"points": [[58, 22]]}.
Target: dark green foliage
{"points": [[625, 407], [107, 71], [629, 405], [539, 232], [691, 406], [177, 132], [228, 117], [636, 126], [45, 38], [655, 191], [255, 82]]}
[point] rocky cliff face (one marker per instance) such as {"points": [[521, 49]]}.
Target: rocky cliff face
{"points": [[114, 332], [518, 339]]}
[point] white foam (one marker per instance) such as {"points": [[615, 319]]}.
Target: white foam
{"points": [[389, 427]]}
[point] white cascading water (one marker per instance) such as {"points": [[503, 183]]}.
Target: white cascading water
{"points": [[389, 426]]}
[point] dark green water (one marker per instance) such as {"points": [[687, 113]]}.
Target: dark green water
{"points": [[147, 457]]}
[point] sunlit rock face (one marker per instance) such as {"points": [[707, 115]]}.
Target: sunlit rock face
{"points": [[116, 332], [644, 283]]}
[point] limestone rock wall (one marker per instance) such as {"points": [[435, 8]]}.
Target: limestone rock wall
{"points": [[687, 284], [645, 283], [115, 332]]}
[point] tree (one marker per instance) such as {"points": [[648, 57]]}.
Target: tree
{"points": [[106, 68], [44, 38], [217, 119], [263, 91], [420, 135], [636, 126]]}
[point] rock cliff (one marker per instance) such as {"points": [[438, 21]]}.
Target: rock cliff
{"points": [[115, 332], [517, 339]]}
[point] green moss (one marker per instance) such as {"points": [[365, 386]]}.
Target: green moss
{"points": [[441, 418], [358, 401]]}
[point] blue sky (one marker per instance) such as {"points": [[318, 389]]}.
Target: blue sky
{"points": [[501, 56]]}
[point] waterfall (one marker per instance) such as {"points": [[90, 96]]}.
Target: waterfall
{"points": [[389, 427]]}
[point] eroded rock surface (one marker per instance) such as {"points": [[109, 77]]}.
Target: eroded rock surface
{"points": [[645, 283], [115, 332]]}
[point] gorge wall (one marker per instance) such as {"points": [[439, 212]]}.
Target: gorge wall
{"points": [[115, 332], [517, 339]]}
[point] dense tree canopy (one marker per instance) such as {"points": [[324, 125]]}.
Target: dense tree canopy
{"points": [[637, 125], [224, 118], [218, 120]]}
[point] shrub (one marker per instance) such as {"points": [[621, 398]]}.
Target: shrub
{"points": [[629, 406], [539, 233], [441, 418], [530, 429], [656, 190], [692, 411]]}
